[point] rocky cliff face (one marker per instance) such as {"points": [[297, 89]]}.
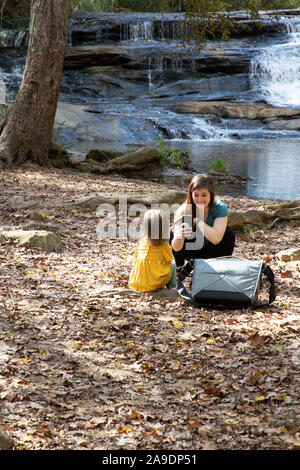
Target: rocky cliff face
{"points": [[127, 81]]}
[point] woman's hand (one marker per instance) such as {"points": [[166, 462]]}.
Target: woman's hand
{"points": [[182, 231]]}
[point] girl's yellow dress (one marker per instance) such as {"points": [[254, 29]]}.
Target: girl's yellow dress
{"points": [[152, 266]]}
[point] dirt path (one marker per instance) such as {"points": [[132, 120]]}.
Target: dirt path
{"points": [[87, 364]]}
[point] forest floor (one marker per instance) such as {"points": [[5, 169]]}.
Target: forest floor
{"points": [[85, 363]]}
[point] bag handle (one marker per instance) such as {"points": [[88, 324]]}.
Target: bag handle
{"points": [[182, 291], [270, 276], [184, 272]]}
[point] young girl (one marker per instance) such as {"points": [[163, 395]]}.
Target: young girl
{"points": [[152, 266]]}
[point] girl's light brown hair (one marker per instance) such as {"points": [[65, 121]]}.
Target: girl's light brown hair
{"points": [[156, 227]]}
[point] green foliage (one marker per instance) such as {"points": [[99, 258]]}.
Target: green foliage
{"points": [[206, 18], [167, 156], [219, 165], [14, 13], [281, 4], [2, 111], [84, 168], [89, 209], [205, 7], [151, 5], [246, 229], [92, 5], [59, 157]]}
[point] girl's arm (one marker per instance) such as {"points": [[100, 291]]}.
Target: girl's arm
{"points": [[214, 234], [167, 253]]}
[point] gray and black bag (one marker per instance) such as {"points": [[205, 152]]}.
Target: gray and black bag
{"points": [[226, 281]]}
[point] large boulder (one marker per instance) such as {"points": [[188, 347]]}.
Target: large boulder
{"points": [[42, 239], [6, 442], [82, 128], [108, 26], [291, 254], [256, 217], [210, 87], [169, 197], [288, 212], [131, 161], [93, 55], [286, 124], [236, 220], [231, 110]]}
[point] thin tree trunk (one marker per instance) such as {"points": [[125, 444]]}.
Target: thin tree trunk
{"points": [[26, 131]]}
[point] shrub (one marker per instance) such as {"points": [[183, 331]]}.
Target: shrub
{"points": [[219, 165], [92, 5], [168, 157]]}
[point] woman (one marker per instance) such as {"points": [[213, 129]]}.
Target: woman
{"points": [[200, 228]]}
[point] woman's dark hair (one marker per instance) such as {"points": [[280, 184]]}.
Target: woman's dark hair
{"points": [[200, 182]]}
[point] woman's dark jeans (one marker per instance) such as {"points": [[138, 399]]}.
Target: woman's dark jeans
{"points": [[209, 250]]}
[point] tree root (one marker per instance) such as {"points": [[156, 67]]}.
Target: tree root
{"points": [[273, 223]]}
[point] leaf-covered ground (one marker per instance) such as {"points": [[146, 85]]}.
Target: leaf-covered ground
{"points": [[87, 364]]}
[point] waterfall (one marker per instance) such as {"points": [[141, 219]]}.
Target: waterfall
{"points": [[275, 71], [137, 31], [158, 29], [2, 89], [202, 129], [141, 31], [10, 82], [169, 29]]}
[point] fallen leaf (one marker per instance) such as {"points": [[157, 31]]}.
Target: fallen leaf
{"points": [[193, 424], [205, 431], [260, 398], [287, 400], [175, 365], [257, 340], [121, 430], [214, 391], [287, 274], [95, 422], [177, 324]]}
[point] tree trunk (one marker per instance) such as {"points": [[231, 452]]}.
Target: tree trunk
{"points": [[26, 131]]}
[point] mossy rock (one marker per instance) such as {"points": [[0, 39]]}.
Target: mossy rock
{"points": [[59, 157], [3, 108], [102, 155], [256, 217], [45, 240], [291, 254], [6, 442]]}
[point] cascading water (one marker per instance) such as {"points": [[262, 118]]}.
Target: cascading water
{"points": [[137, 31], [275, 71], [13, 38], [141, 31], [138, 99], [10, 82], [2, 89]]}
